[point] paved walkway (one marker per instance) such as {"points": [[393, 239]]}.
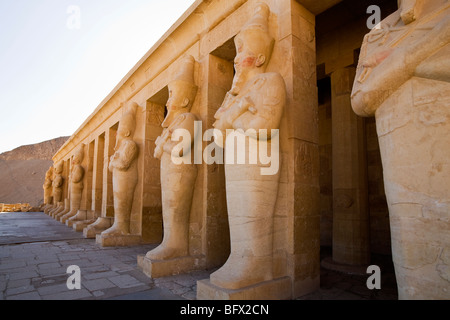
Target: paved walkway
{"points": [[35, 252]]}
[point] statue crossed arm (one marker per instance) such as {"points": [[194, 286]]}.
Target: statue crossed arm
{"points": [[394, 65], [259, 106], [164, 142], [124, 156]]}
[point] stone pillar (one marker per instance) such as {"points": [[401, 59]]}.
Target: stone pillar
{"points": [[152, 211], [63, 203], [108, 196], [105, 221], [94, 210], [403, 80], [124, 166], [299, 194], [48, 196], [351, 246], [296, 221], [57, 184], [84, 212], [219, 75], [65, 191]]}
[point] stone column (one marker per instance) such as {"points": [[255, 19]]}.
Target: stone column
{"points": [[65, 191], [219, 75], [403, 80], [84, 213], [57, 183], [299, 191], [350, 209], [105, 221], [124, 166], [152, 211], [95, 208]]}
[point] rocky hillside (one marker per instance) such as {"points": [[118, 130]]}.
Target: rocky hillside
{"points": [[22, 171], [40, 151]]}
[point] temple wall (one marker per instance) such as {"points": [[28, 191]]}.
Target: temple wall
{"points": [[314, 53]]}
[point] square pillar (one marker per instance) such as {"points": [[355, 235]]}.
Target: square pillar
{"points": [[106, 218], [350, 193], [86, 215], [299, 194]]}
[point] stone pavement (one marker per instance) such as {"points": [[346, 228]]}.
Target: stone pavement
{"points": [[35, 252]]}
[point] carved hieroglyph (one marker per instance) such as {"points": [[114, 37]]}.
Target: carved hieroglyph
{"points": [[123, 166], [76, 184], [403, 79], [177, 180], [255, 101]]}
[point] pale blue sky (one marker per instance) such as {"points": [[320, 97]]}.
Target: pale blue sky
{"points": [[52, 77]]}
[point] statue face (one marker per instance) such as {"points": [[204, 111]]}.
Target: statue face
{"points": [[252, 50], [244, 62], [178, 101], [78, 156], [49, 173], [122, 133], [58, 168], [178, 97]]}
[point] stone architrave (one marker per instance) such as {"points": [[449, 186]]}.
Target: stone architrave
{"points": [[76, 184], [256, 101], [177, 179], [123, 166], [48, 190], [57, 184], [403, 80]]}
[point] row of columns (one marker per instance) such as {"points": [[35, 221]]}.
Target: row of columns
{"points": [[96, 200], [296, 244]]}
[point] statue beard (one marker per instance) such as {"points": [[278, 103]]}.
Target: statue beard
{"points": [[239, 81]]}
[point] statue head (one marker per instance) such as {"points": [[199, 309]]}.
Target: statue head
{"points": [[79, 155], [58, 167], [127, 124], [49, 173], [182, 91], [254, 46]]}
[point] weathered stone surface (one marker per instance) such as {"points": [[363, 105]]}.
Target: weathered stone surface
{"points": [[403, 80], [177, 179], [255, 101]]}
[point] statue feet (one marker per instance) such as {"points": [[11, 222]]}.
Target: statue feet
{"points": [[164, 252], [238, 273], [118, 229]]}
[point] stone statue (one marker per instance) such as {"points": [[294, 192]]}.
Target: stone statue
{"points": [[123, 166], [177, 180], [48, 192], [57, 184], [76, 184], [403, 80], [255, 101]]}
